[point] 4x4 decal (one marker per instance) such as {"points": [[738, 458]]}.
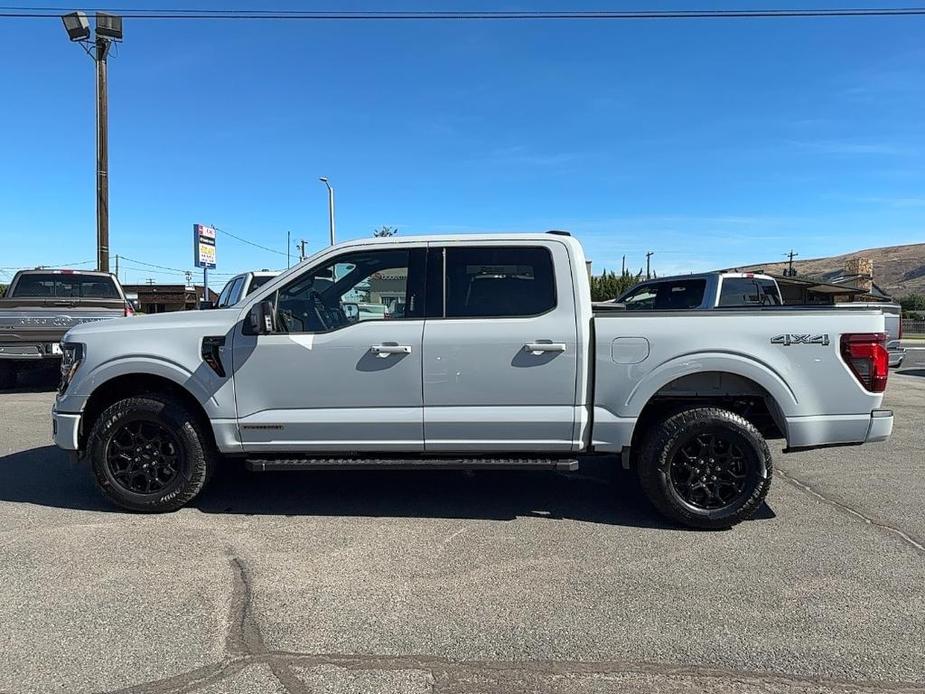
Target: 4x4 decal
{"points": [[790, 339]]}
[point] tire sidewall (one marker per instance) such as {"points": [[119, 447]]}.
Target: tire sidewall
{"points": [[755, 474], [191, 473], [668, 435]]}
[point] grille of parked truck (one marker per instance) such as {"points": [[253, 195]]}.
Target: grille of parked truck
{"points": [[497, 360], [40, 306]]}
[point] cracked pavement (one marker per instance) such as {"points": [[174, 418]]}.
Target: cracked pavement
{"points": [[450, 583]]}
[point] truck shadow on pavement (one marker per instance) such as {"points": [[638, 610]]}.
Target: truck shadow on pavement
{"points": [[599, 493]]}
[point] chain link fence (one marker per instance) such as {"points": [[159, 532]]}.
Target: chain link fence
{"points": [[912, 328]]}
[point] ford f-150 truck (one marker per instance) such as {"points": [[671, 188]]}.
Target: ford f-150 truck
{"points": [[41, 305], [498, 360]]}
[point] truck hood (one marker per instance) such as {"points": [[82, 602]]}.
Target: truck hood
{"points": [[218, 321]]}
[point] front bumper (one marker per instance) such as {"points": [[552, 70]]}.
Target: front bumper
{"points": [[65, 430], [30, 351]]}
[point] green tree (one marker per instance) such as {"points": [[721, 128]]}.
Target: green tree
{"points": [[912, 303], [2, 290], [610, 285], [385, 231]]}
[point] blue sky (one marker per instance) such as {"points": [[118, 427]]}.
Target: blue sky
{"points": [[712, 143]]}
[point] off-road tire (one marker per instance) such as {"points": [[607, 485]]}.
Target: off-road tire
{"points": [[195, 461], [7, 375], [662, 442]]}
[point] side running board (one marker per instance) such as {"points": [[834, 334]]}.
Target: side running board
{"points": [[354, 463]]}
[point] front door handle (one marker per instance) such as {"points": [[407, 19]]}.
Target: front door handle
{"points": [[538, 347], [386, 350]]}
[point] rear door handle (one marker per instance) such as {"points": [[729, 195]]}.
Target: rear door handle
{"points": [[386, 350], [537, 347]]}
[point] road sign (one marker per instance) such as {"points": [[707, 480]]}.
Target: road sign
{"points": [[203, 246]]}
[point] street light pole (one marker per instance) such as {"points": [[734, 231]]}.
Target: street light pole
{"points": [[108, 29], [102, 156], [324, 180]]}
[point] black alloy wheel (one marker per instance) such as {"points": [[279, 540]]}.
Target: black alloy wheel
{"points": [[143, 457], [150, 452], [704, 467], [709, 471]]}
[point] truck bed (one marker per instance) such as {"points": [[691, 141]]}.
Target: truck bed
{"points": [[788, 356]]}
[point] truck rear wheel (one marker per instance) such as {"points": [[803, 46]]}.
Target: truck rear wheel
{"points": [[705, 468], [149, 454]]}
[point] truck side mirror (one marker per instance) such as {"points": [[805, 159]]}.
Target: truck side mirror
{"points": [[260, 319]]}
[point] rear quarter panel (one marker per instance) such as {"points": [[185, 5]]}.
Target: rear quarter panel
{"points": [[804, 380]]}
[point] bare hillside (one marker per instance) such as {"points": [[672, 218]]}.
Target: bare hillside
{"points": [[898, 270]]}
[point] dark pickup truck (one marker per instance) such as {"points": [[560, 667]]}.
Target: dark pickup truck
{"points": [[41, 305]]}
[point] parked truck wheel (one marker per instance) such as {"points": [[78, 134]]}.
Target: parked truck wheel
{"points": [[149, 454], [7, 375], [705, 468]]}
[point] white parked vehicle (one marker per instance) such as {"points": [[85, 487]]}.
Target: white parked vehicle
{"points": [[241, 286], [724, 290], [498, 360], [703, 291]]}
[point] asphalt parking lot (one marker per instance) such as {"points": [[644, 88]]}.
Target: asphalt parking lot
{"points": [[446, 582]]}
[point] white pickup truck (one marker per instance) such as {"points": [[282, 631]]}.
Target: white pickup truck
{"points": [[498, 360]]}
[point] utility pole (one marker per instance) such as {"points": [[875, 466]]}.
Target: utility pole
{"points": [[108, 29], [117, 267], [324, 179], [301, 246], [623, 269], [790, 271], [149, 281], [288, 243], [648, 264]]}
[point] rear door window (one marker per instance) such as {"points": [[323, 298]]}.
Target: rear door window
{"points": [[498, 281]]}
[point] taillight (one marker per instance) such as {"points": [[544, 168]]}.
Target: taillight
{"points": [[129, 311], [866, 356]]}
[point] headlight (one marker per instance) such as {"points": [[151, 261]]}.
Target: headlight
{"points": [[72, 354]]}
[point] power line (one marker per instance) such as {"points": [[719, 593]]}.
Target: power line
{"points": [[250, 243], [50, 265], [161, 267], [26, 12]]}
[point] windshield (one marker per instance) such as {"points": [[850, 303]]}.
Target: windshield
{"points": [[258, 282]]}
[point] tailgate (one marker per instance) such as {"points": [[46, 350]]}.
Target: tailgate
{"points": [[50, 323]]}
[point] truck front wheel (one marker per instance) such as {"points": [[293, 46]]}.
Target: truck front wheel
{"points": [[149, 454], [705, 468]]}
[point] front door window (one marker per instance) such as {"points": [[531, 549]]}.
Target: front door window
{"points": [[355, 287]]}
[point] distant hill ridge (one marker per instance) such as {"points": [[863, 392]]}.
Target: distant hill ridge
{"points": [[898, 270]]}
